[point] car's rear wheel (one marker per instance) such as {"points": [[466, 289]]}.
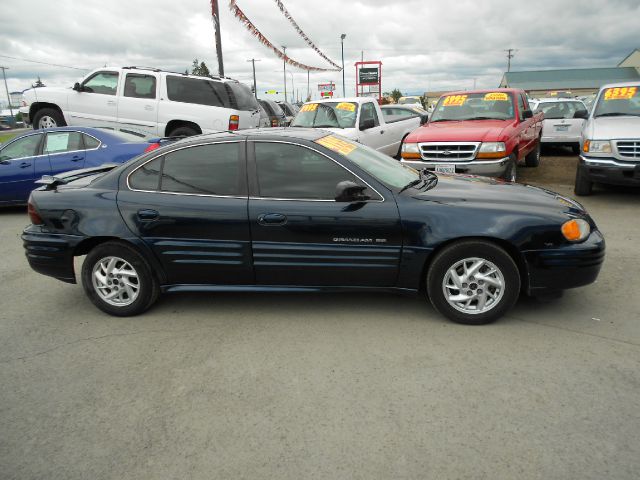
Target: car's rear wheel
{"points": [[533, 158], [473, 282], [118, 280], [48, 118], [583, 185], [183, 132], [511, 171]]}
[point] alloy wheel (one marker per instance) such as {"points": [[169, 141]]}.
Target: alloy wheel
{"points": [[115, 281], [473, 285]]}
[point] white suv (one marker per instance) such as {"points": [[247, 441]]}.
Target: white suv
{"points": [[148, 100]]}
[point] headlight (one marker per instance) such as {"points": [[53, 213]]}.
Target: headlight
{"points": [[410, 150], [492, 147], [596, 146], [576, 230]]}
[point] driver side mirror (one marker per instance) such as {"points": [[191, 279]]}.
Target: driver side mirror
{"points": [[77, 87], [581, 114], [348, 191], [366, 124], [527, 113]]}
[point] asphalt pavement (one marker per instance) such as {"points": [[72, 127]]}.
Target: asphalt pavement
{"points": [[305, 386]]}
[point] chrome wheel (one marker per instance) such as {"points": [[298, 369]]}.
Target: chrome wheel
{"points": [[115, 281], [473, 285], [47, 122]]}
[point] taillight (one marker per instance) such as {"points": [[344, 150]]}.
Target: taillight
{"points": [[33, 214], [274, 122], [151, 147], [234, 122]]}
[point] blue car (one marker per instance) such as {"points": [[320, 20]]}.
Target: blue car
{"points": [[28, 157]]}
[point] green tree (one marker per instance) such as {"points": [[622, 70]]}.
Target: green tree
{"points": [[396, 94], [200, 68]]}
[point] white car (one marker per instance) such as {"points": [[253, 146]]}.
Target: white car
{"points": [[411, 101], [359, 119], [147, 100], [563, 121]]}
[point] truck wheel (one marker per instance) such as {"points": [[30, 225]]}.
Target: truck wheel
{"points": [[183, 132], [48, 118], [510, 174], [575, 148], [583, 186], [473, 282], [533, 159], [118, 281]]}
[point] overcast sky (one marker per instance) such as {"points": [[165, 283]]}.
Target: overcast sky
{"points": [[423, 44]]}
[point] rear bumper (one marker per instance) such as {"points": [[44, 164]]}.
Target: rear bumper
{"points": [[50, 254], [487, 168], [561, 140], [570, 266], [610, 171]]}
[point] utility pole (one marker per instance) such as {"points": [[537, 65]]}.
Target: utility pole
{"points": [[509, 57], [216, 26], [342, 37], [284, 74], [308, 91], [13, 120], [255, 88]]}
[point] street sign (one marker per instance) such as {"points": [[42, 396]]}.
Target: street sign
{"points": [[326, 87]]}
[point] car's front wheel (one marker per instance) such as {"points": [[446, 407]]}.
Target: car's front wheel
{"points": [[48, 118], [473, 282], [583, 185], [533, 158], [511, 169], [118, 280]]}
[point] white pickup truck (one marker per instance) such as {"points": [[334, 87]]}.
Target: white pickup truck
{"points": [[358, 119]]}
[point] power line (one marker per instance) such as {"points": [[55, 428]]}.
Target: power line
{"points": [[45, 63], [509, 57]]}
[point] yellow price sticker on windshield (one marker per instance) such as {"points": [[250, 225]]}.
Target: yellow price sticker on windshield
{"points": [[454, 100], [620, 93], [349, 107], [336, 144], [309, 107], [499, 96]]}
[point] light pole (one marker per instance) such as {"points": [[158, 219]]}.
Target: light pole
{"points": [[284, 74], [255, 87], [13, 119], [342, 37], [293, 87]]}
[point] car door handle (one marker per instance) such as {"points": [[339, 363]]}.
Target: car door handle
{"points": [[147, 215], [111, 102], [272, 219], [381, 132], [148, 107], [25, 165], [76, 158]]}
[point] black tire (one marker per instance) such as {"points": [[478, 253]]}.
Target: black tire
{"points": [[51, 116], [148, 287], [575, 148], [583, 185], [474, 249], [183, 131], [510, 174], [533, 158]]}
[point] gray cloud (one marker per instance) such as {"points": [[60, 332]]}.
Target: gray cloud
{"points": [[423, 45]]}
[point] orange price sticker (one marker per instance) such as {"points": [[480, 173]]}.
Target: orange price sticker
{"points": [[336, 144], [620, 93], [350, 107], [454, 100], [499, 96], [309, 107]]}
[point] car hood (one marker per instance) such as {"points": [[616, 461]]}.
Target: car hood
{"points": [[485, 192], [611, 128], [44, 92], [462, 131]]}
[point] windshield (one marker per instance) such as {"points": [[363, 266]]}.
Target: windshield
{"points": [[327, 115], [380, 166], [474, 106], [411, 100], [618, 101]]}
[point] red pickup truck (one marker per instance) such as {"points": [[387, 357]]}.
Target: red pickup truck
{"points": [[481, 132]]}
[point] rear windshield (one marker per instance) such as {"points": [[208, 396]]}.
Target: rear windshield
{"points": [[327, 115], [210, 92], [557, 110], [474, 106], [287, 109], [618, 101]]}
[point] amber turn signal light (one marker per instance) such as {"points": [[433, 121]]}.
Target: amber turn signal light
{"points": [[576, 230]]}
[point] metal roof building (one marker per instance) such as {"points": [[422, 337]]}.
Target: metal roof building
{"points": [[581, 81]]}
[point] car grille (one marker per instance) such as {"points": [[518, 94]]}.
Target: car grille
{"points": [[629, 148], [449, 151]]}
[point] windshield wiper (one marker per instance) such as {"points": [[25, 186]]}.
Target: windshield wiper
{"points": [[433, 179], [443, 120], [618, 114], [483, 118]]}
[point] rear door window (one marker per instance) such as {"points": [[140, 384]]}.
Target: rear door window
{"points": [[147, 177], [137, 85], [60, 142]]}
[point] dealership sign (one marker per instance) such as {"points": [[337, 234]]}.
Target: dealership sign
{"points": [[326, 87], [368, 76]]}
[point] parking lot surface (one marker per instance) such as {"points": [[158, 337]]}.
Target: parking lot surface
{"points": [[355, 386]]}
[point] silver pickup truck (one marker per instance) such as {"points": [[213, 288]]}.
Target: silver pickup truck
{"points": [[358, 119], [610, 143]]}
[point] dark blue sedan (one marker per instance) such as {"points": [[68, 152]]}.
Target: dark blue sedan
{"points": [[26, 158], [278, 210]]}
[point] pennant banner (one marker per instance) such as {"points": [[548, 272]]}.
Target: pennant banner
{"points": [[239, 14], [288, 16]]}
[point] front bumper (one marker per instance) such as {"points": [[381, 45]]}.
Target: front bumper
{"points": [[487, 168], [568, 266], [50, 254], [611, 171]]}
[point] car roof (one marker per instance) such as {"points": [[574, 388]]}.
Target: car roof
{"points": [[347, 99], [556, 99], [310, 134], [635, 83], [490, 90]]}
